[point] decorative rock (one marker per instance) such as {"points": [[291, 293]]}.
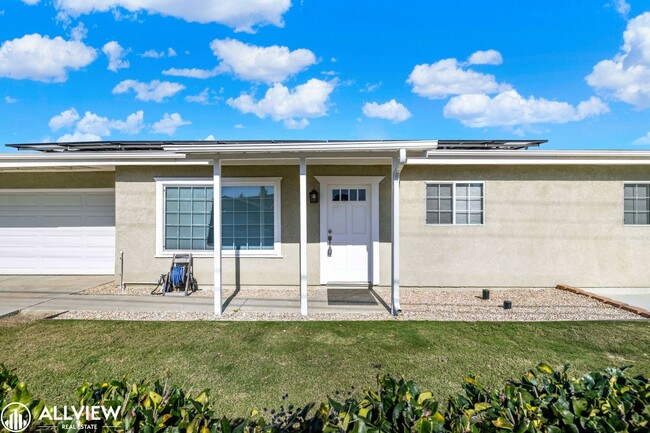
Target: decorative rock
{"points": [[533, 305]]}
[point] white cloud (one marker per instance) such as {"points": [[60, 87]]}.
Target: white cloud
{"points": [[643, 140], [40, 58], [272, 64], [447, 77], [153, 91], [209, 138], [204, 97], [489, 57], [391, 110], [153, 54], [77, 137], [10, 100], [239, 126], [626, 77], [371, 87], [169, 123], [191, 73], [66, 119], [622, 7], [242, 15], [115, 54], [509, 108], [296, 124], [132, 125], [92, 127], [79, 32], [307, 100], [91, 123], [31, 2]]}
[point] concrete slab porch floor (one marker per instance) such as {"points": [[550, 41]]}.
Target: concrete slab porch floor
{"points": [[18, 297]]}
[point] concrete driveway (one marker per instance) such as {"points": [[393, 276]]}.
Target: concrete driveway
{"points": [[636, 297], [18, 292]]}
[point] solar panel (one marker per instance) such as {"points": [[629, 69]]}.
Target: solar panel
{"points": [[140, 146]]}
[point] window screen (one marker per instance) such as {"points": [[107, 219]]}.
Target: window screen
{"points": [[247, 217], [454, 203], [636, 204]]}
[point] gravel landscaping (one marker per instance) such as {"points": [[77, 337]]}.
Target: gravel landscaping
{"points": [[528, 305], [257, 292]]}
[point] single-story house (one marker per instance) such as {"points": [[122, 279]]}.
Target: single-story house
{"points": [[421, 213]]}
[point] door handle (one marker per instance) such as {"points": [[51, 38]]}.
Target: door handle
{"points": [[329, 243]]}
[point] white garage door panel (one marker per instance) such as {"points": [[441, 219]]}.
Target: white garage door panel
{"points": [[57, 232], [11, 240]]}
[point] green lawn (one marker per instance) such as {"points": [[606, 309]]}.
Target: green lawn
{"points": [[250, 364]]}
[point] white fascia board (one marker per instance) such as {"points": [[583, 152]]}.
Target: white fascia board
{"points": [[331, 146], [94, 156], [107, 159], [536, 157], [62, 164]]}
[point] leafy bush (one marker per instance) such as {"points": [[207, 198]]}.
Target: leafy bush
{"points": [[12, 390], [542, 401]]}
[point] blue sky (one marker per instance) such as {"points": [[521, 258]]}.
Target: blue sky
{"points": [[576, 73]]}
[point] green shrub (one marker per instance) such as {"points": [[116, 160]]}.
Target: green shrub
{"points": [[12, 390], [542, 401]]}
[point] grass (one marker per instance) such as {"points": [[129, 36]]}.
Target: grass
{"points": [[251, 364]]}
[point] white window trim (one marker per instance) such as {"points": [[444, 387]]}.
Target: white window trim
{"points": [[162, 183], [453, 202], [626, 183]]}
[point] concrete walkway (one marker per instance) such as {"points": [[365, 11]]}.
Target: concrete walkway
{"points": [[29, 291], [155, 304], [54, 295], [636, 297]]}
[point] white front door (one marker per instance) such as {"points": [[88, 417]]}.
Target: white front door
{"points": [[348, 234]]}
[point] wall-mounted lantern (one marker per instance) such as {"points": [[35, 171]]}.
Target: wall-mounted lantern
{"points": [[313, 196]]}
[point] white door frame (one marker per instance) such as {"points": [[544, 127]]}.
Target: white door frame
{"points": [[325, 183]]}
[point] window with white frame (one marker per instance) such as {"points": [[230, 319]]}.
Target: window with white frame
{"points": [[636, 198], [250, 215], [454, 203]]}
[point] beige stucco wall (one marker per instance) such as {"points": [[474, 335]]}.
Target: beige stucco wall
{"points": [[543, 226], [36, 180], [136, 231]]}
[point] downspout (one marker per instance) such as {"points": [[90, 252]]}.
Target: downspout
{"points": [[398, 164]]}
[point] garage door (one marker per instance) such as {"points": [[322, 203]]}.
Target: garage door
{"points": [[57, 232]]}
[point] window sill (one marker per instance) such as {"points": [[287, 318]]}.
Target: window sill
{"points": [[454, 225], [224, 254]]}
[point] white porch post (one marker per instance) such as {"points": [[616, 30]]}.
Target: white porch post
{"points": [[303, 236], [398, 164], [218, 299]]}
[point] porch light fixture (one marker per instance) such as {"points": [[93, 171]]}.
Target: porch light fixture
{"points": [[313, 196]]}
